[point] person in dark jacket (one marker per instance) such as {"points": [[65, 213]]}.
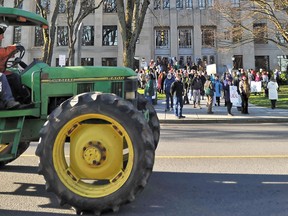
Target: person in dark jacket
{"points": [[209, 92], [226, 88], [197, 86], [167, 86], [177, 91]]}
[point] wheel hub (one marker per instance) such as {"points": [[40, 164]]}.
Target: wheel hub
{"points": [[94, 153]]}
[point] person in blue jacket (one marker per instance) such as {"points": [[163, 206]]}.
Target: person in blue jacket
{"points": [[167, 86]]}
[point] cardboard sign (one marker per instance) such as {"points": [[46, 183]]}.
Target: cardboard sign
{"points": [[256, 86], [211, 69], [62, 60], [235, 98]]}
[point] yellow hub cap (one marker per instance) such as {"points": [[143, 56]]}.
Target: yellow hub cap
{"points": [[93, 155]]}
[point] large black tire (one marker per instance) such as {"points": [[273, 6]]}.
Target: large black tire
{"points": [[111, 153], [145, 107]]}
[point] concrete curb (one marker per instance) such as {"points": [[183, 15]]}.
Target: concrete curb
{"points": [[223, 121]]}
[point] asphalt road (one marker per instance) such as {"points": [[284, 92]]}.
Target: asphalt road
{"points": [[201, 170]]}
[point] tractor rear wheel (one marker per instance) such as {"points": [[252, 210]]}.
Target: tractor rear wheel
{"points": [[148, 110], [96, 152]]}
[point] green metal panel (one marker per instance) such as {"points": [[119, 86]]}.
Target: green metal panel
{"points": [[86, 73], [12, 16]]}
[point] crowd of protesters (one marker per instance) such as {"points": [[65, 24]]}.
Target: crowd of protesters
{"points": [[190, 84]]}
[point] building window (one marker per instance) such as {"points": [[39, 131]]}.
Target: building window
{"points": [[62, 36], [166, 4], [62, 6], [202, 4], [109, 6], [2, 3], [208, 36], [237, 32], [211, 59], [260, 33], [45, 4], [179, 4], [185, 38], [87, 61], [88, 36], [39, 39], [235, 3], [262, 62], [188, 4], [109, 61], [189, 61], [157, 4], [210, 3], [109, 36], [162, 38], [17, 35]]}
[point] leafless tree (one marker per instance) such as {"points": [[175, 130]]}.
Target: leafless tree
{"points": [[74, 19], [131, 15], [253, 20], [48, 34]]}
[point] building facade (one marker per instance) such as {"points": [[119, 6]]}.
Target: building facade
{"points": [[182, 31]]}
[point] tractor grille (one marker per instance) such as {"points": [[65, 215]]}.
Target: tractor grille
{"points": [[117, 88]]}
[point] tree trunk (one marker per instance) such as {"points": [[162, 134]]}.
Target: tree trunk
{"points": [[128, 54]]}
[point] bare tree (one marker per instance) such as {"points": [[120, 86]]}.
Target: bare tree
{"points": [[254, 20], [74, 20], [48, 34], [131, 14]]}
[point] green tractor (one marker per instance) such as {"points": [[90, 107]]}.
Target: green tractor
{"points": [[97, 136]]}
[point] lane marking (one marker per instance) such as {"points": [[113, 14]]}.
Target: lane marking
{"points": [[222, 157], [203, 157]]}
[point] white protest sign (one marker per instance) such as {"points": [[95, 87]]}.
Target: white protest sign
{"points": [[211, 69], [235, 98], [62, 60], [255, 86]]}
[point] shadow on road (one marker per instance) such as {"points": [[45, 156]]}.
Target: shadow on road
{"points": [[186, 194], [203, 194]]}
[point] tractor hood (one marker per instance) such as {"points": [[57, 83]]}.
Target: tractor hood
{"points": [[86, 73], [18, 17]]}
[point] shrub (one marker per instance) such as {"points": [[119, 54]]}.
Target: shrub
{"points": [[284, 77]]}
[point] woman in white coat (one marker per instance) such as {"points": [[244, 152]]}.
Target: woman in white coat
{"points": [[272, 92]]}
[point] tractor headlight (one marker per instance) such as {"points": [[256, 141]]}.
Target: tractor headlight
{"points": [[130, 95]]}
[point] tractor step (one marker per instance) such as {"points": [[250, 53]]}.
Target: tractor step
{"points": [[10, 135], [3, 147]]}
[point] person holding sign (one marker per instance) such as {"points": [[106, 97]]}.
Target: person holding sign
{"points": [[273, 92]]}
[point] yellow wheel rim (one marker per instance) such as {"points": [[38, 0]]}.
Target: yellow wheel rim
{"points": [[93, 155]]}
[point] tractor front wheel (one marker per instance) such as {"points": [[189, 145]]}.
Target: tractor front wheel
{"points": [[96, 152]]}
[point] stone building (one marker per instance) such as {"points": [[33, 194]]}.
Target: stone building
{"points": [[182, 31]]}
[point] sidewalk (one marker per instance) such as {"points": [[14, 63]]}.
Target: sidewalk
{"points": [[196, 115]]}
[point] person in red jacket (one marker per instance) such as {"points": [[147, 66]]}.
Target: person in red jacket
{"points": [[7, 100]]}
